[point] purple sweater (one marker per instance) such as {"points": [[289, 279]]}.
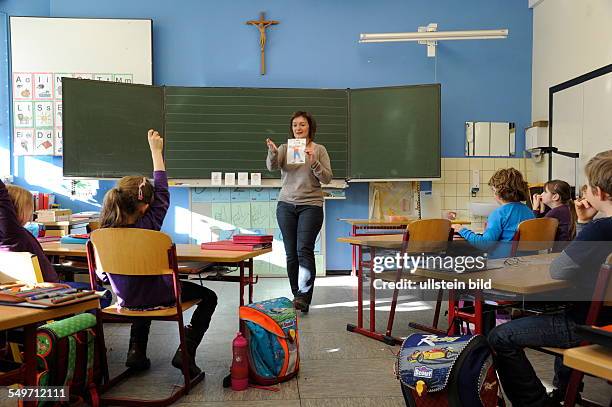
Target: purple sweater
{"points": [[15, 238], [563, 215], [147, 291]]}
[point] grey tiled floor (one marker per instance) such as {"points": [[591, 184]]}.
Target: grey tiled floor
{"points": [[338, 368]]}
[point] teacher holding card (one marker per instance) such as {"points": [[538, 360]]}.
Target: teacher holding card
{"points": [[304, 166]]}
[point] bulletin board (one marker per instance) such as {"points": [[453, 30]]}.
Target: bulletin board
{"points": [[46, 49]]}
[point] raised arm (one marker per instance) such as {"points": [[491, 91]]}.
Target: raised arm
{"points": [[154, 216]]}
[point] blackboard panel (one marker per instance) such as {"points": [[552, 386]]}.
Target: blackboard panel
{"points": [[395, 132], [105, 127], [224, 129]]}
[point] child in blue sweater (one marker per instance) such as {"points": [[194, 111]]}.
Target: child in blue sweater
{"points": [[509, 190]]}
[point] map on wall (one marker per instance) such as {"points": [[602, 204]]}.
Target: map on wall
{"points": [[37, 109]]}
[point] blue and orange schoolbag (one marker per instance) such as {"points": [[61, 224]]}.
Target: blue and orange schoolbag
{"points": [[272, 333]]}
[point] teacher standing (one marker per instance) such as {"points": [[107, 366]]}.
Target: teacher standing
{"points": [[300, 205]]}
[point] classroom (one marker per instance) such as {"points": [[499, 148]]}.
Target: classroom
{"points": [[411, 199]]}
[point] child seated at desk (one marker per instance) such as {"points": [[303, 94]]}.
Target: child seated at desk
{"points": [[16, 209], [558, 203], [579, 263], [134, 202], [509, 189]]}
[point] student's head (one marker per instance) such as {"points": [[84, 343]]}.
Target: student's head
{"points": [[598, 172], [556, 192], [23, 202], [126, 202], [302, 125], [509, 186]]}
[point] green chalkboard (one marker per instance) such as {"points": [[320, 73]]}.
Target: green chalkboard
{"points": [[395, 132], [105, 127], [379, 133], [224, 129]]}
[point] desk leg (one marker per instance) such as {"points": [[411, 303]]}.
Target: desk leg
{"points": [[250, 265], [372, 292], [434, 328], [452, 307], [354, 253], [29, 332], [241, 265]]}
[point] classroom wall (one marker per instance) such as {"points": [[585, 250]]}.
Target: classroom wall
{"points": [[207, 43], [570, 38]]}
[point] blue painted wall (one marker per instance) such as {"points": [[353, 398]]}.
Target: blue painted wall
{"points": [[207, 43]]}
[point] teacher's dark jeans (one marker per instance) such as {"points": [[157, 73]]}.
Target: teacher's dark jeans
{"points": [[517, 376], [300, 225]]}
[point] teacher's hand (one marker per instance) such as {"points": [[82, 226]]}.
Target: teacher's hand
{"points": [[271, 146], [309, 153]]}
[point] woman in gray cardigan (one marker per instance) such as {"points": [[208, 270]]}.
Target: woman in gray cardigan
{"points": [[300, 204]]}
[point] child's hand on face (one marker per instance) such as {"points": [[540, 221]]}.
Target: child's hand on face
{"points": [[584, 210], [156, 142], [536, 202]]}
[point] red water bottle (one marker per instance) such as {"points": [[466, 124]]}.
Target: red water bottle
{"points": [[240, 363]]}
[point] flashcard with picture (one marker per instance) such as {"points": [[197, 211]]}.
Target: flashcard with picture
{"points": [[296, 151], [123, 78], [57, 81], [22, 86], [43, 114], [43, 142], [106, 77], [23, 114], [43, 86], [23, 143], [58, 113], [58, 142], [82, 75]]}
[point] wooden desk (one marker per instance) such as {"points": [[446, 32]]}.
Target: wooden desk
{"points": [[595, 360], [29, 318], [185, 252], [530, 276]]}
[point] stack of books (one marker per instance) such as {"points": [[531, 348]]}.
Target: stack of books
{"points": [[242, 243]]}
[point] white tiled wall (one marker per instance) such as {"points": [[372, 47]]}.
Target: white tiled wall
{"points": [[454, 190]]}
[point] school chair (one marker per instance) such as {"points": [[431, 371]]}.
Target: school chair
{"points": [[139, 252], [422, 236], [19, 266], [535, 235]]}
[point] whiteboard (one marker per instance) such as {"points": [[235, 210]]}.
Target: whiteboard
{"points": [[582, 123], [89, 45]]}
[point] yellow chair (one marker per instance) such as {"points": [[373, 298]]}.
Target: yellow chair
{"points": [[422, 236], [535, 235], [19, 266], [139, 252]]}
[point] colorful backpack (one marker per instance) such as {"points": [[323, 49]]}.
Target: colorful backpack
{"points": [[449, 371], [271, 330], [67, 356]]}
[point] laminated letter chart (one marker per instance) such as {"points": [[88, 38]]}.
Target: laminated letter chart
{"points": [[37, 109]]}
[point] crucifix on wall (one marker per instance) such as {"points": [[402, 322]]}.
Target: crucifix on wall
{"points": [[261, 25]]}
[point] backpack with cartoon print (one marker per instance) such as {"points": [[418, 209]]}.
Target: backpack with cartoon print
{"points": [[272, 334], [447, 371]]}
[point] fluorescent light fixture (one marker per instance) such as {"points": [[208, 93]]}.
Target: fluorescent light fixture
{"points": [[429, 36], [435, 36]]}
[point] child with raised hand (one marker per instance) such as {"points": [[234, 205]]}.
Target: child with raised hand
{"points": [[135, 202], [509, 189], [557, 198]]}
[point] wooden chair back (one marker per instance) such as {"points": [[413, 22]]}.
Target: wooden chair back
{"points": [[19, 266], [427, 236], [535, 235], [132, 251]]}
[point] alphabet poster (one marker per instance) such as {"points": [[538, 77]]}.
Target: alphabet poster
{"points": [[37, 109]]}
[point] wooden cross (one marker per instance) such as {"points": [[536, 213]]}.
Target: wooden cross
{"points": [[261, 25]]}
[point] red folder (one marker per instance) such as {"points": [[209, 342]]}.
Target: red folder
{"points": [[230, 245]]}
